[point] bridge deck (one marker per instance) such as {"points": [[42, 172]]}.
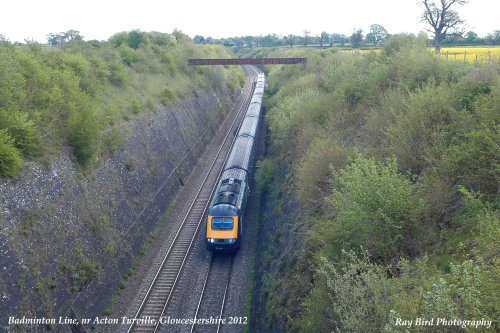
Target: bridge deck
{"points": [[247, 61]]}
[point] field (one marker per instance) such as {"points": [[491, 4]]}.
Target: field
{"points": [[460, 53], [471, 53]]}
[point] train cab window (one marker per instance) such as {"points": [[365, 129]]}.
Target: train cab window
{"points": [[222, 223]]}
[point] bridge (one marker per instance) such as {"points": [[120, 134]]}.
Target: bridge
{"points": [[247, 61]]}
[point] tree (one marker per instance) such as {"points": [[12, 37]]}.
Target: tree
{"points": [[493, 38], [136, 38], [290, 39], [472, 38], [72, 35], [307, 33], [323, 38], [199, 39], [54, 39], [443, 20], [61, 38], [377, 34], [357, 38]]}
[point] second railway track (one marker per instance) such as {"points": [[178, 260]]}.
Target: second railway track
{"points": [[159, 293], [213, 296]]}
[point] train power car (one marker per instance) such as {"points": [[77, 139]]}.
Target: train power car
{"points": [[227, 207]]}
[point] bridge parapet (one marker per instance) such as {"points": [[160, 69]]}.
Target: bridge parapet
{"points": [[247, 61]]}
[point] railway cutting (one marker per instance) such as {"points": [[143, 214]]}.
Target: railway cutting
{"points": [[148, 311]]}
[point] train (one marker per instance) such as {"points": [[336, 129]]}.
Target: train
{"points": [[226, 212]]}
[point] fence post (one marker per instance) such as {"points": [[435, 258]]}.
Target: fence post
{"points": [[465, 57]]}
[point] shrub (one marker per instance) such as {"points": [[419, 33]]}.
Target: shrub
{"points": [[127, 55], [487, 107], [118, 39], [349, 296], [474, 160], [459, 297], [22, 130], [286, 116], [482, 219], [135, 38], [10, 159], [423, 129], [266, 173], [112, 141], [413, 67], [314, 169], [84, 133], [400, 42], [83, 71], [167, 97], [85, 270], [377, 208], [118, 74]]}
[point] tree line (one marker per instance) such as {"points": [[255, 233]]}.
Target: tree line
{"points": [[440, 17], [373, 38]]}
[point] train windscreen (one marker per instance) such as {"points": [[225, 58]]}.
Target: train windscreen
{"points": [[223, 223]]}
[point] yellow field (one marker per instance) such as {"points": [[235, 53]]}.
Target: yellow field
{"points": [[471, 53], [466, 53]]}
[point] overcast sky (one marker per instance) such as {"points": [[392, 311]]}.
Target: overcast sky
{"points": [[99, 19]]}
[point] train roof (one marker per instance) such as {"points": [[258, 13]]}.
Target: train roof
{"points": [[249, 126], [240, 153]]}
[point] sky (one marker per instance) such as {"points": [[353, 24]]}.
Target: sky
{"points": [[100, 19]]}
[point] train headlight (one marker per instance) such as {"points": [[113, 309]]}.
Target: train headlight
{"points": [[211, 240], [232, 241]]}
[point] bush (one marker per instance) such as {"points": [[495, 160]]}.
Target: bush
{"points": [[266, 173], [113, 141], [22, 130], [167, 96], [400, 42], [135, 38], [314, 170], [288, 115], [424, 128], [10, 159], [84, 133], [127, 55], [474, 160], [413, 67], [377, 208], [459, 297], [85, 270], [349, 296], [118, 74]]}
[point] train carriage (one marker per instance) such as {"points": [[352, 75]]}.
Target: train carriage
{"points": [[226, 213]]}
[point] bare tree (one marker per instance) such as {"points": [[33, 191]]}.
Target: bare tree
{"points": [[443, 20]]}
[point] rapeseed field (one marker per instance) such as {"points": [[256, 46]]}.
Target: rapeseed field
{"points": [[471, 53]]}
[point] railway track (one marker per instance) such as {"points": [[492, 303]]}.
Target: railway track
{"points": [[158, 296], [210, 308]]}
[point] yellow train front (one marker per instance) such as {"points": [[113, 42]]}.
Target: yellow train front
{"points": [[226, 213], [225, 219]]}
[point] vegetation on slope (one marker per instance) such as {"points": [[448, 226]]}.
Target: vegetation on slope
{"points": [[382, 187], [77, 93]]}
